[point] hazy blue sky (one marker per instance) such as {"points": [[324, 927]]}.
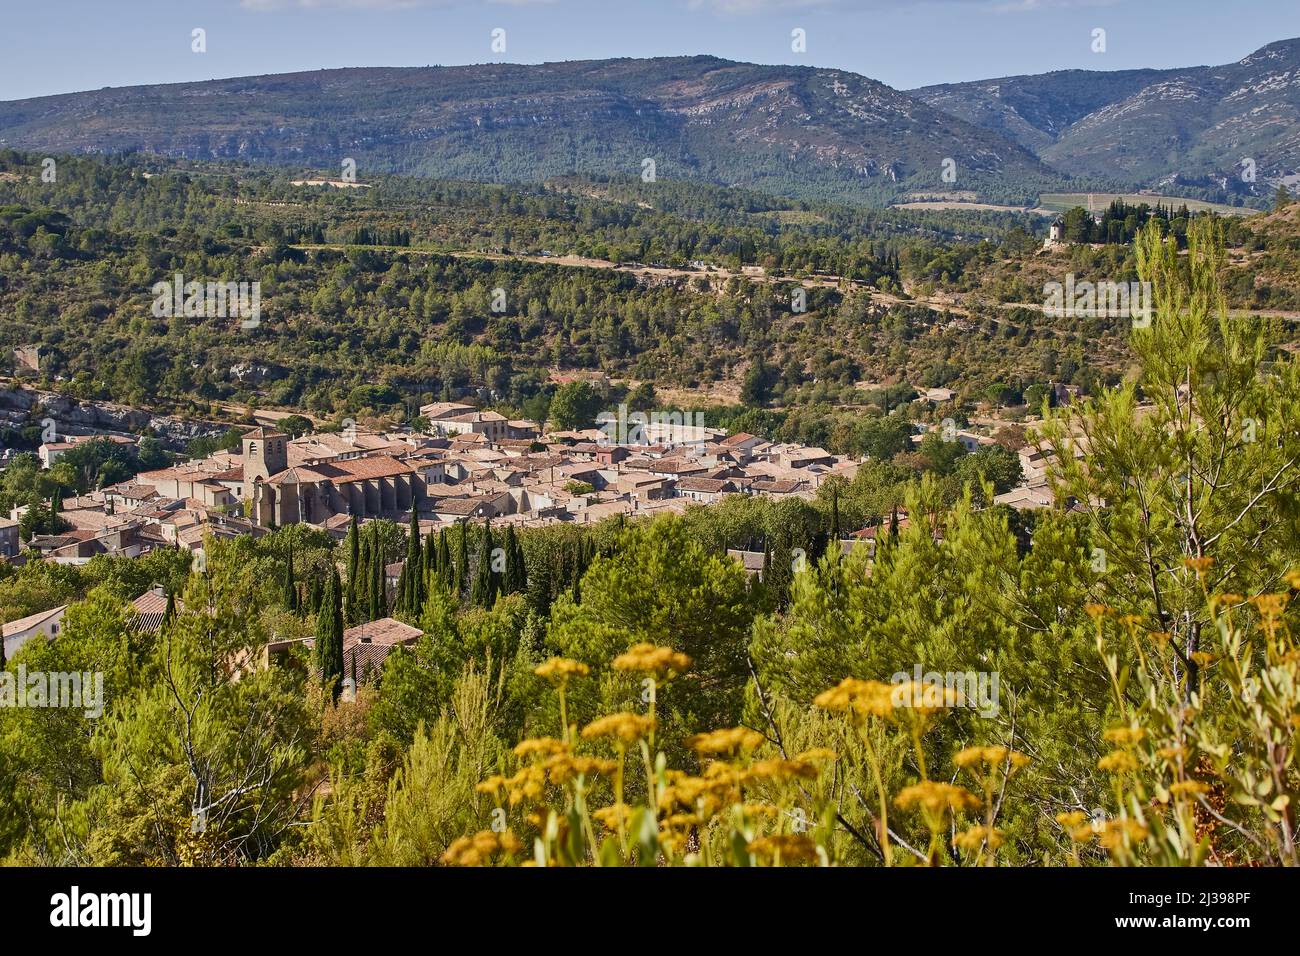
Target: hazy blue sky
{"points": [[58, 46]]}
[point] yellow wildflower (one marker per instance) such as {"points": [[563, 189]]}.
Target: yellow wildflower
{"points": [[787, 847], [479, 848], [866, 697], [1115, 833], [1271, 605], [1118, 761], [624, 727], [1124, 736], [1077, 824], [934, 796], [782, 770], [558, 670], [492, 784], [992, 756], [731, 740], [613, 816], [975, 837], [563, 767], [649, 659], [541, 746]]}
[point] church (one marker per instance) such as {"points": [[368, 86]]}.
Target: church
{"points": [[378, 486]]}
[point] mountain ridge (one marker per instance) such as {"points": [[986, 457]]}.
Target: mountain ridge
{"points": [[802, 131], [1193, 125]]}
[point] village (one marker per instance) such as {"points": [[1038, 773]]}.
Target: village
{"points": [[467, 465]]}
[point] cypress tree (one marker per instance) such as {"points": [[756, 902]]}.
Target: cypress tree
{"points": [[460, 589], [313, 594], [483, 593], [329, 636], [354, 563], [169, 615], [575, 584], [401, 600], [430, 556], [290, 597], [514, 580], [378, 602], [835, 514], [412, 598]]}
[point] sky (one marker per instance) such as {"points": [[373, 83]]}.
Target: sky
{"points": [[62, 46]]}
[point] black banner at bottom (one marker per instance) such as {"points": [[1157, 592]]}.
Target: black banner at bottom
{"points": [[265, 905]]}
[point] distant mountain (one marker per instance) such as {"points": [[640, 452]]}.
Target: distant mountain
{"points": [[1157, 128], [797, 131]]}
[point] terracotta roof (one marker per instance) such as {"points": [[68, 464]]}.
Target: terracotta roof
{"points": [[262, 433], [31, 620], [386, 631], [151, 608], [707, 485], [343, 472], [458, 506]]}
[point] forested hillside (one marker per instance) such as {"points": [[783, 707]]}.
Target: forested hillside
{"points": [[375, 301], [624, 694]]}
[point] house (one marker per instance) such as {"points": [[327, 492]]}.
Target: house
{"points": [[939, 396], [50, 452], [1027, 499], [973, 441], [742, 445], [799, 456], [19, 632], [367, 646], [9, 544], [523, 428], [437, 411], [491, 425], [151, 610], [704, 490]]}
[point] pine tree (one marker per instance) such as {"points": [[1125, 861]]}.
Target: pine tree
{"points": [[329, 636]]}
